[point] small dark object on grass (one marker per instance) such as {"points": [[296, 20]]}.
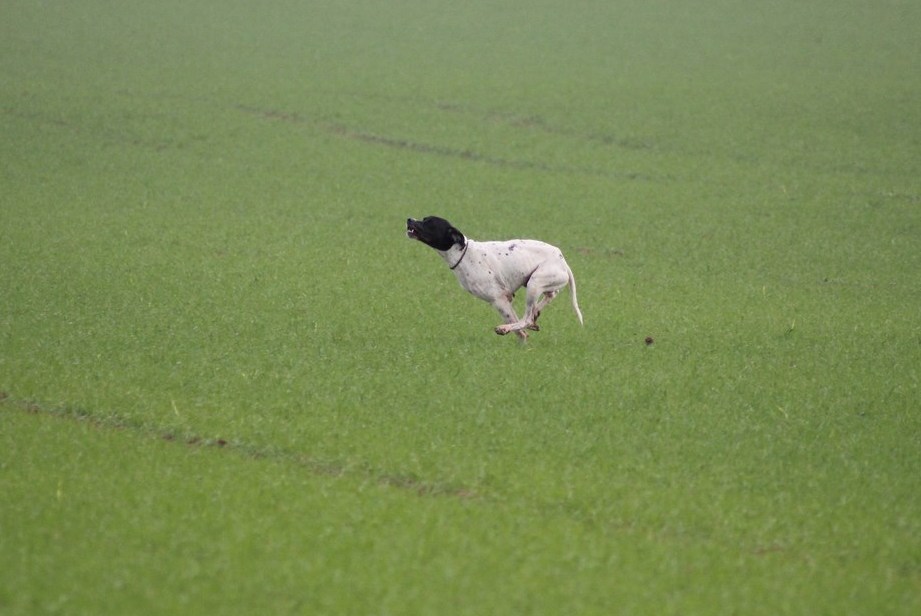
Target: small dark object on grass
{"points": [[649, 340]]}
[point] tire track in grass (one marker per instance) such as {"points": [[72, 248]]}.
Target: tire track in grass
{"points": [[538, 123], [582, 514], [315, 466], [130, 137], [399, 143], [524, 120]]}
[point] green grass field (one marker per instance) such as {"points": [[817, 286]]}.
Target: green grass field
{"points": [[230, 385]]}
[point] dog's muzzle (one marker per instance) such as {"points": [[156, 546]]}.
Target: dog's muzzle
{"points": [[411, 229]]}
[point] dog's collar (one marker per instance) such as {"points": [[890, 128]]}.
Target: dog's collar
{"points": [[463, 254]]}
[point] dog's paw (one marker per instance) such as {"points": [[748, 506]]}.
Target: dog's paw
{"points": [[502, 330], [534, 327]]}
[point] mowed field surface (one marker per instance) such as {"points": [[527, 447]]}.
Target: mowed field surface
{"points": [[229, 384]]}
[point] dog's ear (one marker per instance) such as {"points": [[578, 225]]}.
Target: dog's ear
{"points": [[457, 237]]}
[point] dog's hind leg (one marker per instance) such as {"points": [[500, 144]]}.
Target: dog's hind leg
{"points": [[544, 300], [534, 305], [545, 283]]}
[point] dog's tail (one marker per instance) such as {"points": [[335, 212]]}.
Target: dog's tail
{"points": [[572, 293]]}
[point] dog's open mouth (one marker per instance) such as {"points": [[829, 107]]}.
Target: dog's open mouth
{"points": [[411, 231]]}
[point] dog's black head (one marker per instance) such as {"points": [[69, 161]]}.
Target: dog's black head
{"points": [[435, 232]]}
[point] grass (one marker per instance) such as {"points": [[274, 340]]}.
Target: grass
{"points": [[230, 384]]}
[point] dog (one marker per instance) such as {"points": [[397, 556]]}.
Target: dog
{"points": [[493, 271]]}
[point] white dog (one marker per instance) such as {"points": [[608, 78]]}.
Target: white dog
{"points": [[493, 271]]}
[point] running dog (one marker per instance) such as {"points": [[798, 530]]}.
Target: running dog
{"points": [[493, 271]]}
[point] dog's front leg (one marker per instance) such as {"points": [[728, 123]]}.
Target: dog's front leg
{"points": [[504, 305]]}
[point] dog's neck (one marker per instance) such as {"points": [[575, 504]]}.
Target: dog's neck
{"points": [[454, 255]]}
